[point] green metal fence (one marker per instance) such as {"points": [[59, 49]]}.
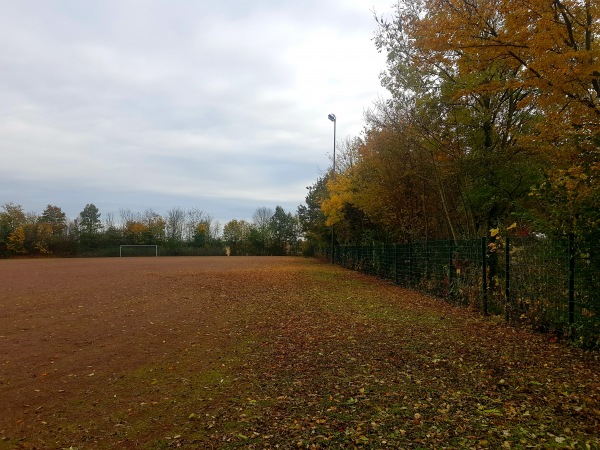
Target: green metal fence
{"points": [[552, 285]]}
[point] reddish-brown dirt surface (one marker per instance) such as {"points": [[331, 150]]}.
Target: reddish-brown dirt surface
{"points": [[70, 329], [264, 352]]}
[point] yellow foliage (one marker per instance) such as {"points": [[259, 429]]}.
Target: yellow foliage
{"points": [[136, 227], [135, 231], [549, 46], [340, 194], [44, 237], [201, 228], [16, 241]]}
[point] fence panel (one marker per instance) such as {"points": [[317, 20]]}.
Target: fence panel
{"points": [[539, 276], [553, 285], [586, 321], [465, 274]]}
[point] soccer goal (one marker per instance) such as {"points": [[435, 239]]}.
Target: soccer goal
{"points": [[138, 250]]}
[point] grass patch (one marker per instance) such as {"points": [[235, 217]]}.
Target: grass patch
{"points": [[364, 364]]}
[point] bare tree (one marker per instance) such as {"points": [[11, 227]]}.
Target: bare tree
{"points": [[261, 219], [175, 225]]}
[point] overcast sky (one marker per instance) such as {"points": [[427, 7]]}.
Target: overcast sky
{"points": [[216, 105]]}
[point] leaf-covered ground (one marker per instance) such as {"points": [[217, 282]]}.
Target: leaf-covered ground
{"points": [[306, 355]]}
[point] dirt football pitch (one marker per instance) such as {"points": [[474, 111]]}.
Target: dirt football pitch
{"points": [[71, 330], [261, 352]]}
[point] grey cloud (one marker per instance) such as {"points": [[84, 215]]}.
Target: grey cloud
{"points": [[152, 103]]}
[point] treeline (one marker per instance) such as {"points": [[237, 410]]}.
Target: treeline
{"points": [[178, 232], [493, 120]]}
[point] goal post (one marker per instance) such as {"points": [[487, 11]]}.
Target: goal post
{"points": [[138, 250]]}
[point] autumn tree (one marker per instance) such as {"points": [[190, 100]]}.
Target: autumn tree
{"points": [[156, 226], [341, 211], [236, 236], [201, 234], [12, 219], [351, 222], [551, 46], [470, 120], [201, 228], [530, 71], [16, 242], [390, 193], [135, 232], [52, 231], [401, 189]]}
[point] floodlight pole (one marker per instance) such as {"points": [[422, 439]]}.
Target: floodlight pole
{"points": [[334, 120]]}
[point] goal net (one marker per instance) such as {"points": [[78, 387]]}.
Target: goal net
{"points": [[138, 250]]}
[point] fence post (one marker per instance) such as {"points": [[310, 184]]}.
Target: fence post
{"points": [[571, 278], [395, 263], [507, 279], [380, 261], [484, 275], [426, 271], [409, 265], [451, 270]]}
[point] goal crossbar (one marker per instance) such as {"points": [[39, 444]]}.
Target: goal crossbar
{"points": [[137, 245]]}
